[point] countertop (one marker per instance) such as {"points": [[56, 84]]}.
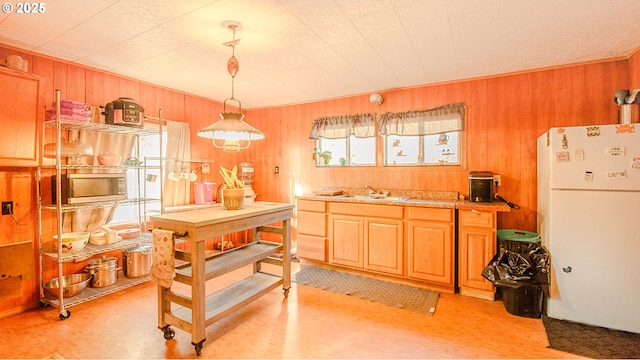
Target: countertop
{"points": [[417, 198], [434, 203], [216, 214]]}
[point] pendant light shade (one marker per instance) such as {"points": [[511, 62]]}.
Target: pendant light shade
{"points": [[228, 132], [231, 133]]}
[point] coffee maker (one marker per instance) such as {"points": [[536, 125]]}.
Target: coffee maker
{"points": [[480, 186]]}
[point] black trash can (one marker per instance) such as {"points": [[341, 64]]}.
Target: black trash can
{"points": [[520, 270], [524, 301]]}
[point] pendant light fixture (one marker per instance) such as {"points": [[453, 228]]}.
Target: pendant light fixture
{"points": [[231, 133]]}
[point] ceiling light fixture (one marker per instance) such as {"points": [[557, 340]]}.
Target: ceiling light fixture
{"points": [[234, 133]]}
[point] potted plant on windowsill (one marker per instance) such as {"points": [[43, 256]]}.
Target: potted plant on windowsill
{"points": [[232, 189]]}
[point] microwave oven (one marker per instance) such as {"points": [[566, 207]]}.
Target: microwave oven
{"points": [[90, 188]]}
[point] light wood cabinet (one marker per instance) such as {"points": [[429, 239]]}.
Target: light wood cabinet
{"points": [[346, 240], [430, 239], [312, 229], [20, 133], [367, 236], [383, 245], [476, 247]]}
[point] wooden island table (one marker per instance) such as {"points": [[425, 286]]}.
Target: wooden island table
{"points": [[196, 226]]}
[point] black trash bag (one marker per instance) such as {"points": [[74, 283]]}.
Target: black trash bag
{"points": [[512, 269]]}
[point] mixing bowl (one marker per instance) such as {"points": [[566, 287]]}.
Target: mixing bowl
{"points": [[71, 284], [72, 241]]}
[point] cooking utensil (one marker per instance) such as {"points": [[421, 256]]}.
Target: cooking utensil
{"points": [[73, 241], [71, 285], [137, 261], [104, 271], [132, 161], [109, 159], [73, 149], [129, 233]]}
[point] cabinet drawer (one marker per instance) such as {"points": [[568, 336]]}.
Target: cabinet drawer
{"points": [[312, 223], [368, 210], [475, 218], [311, 205], [430, 214], [312, 247]]}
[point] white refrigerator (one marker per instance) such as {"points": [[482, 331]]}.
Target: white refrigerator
{"points": [[589, 220]]}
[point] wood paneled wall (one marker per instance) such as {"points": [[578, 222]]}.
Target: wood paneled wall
{"points": [[505, 115]]}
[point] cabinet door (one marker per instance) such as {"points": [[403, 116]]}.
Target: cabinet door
{"points": [[312, 247], [430, 247], [18, 116], [346, 240], [476, 248], [383, 246]]}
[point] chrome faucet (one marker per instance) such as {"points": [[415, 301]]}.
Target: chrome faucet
{"points": [[375, 191]]}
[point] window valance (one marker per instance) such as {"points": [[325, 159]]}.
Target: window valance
{"points": [[341, 127], [433, 121]]}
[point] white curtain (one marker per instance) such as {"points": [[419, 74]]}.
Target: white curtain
{"points": [[341, 127], [440, 120], [177, 192]]}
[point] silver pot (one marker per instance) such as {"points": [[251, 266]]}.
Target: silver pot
{"points": [[104, 271], [137, 261]]}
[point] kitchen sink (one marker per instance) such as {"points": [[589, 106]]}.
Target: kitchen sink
{"points": [[377, 197]]}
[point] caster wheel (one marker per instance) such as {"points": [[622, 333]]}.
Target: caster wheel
{"points": [[65, 314], [169, 333], [286, 293]]}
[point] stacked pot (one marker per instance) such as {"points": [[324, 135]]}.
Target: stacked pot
{"points": [[104, 271]]}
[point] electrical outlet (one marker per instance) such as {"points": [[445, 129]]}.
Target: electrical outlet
{"points": [[7, 207], [497, 180], [276, 170]]}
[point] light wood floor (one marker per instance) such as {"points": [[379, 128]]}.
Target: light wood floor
{"points": [[311, 323]]}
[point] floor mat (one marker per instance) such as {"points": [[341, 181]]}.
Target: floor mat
{"points": [[383, 292], [591, 341]]}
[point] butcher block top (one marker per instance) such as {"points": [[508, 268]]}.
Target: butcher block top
{"points": [[202, 224]]}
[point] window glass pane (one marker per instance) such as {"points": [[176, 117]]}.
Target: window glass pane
{"points": [[442, 149], [402, 150], [363, 151], [437, 149], [346, 152], [331, 150], [149, 181]]}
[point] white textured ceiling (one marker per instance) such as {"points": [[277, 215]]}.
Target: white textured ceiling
{"points": [[295, 51]]}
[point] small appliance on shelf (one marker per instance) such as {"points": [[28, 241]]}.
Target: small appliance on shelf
{"points": [[480, 186], [124, 111], [247, 175]]}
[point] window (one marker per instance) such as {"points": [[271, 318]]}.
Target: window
{"points": [[351, 151], [436, 149], [345, 140], [430, 137], [149, 180]]}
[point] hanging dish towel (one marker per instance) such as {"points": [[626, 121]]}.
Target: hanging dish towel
{"points": [[163, 265]]}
